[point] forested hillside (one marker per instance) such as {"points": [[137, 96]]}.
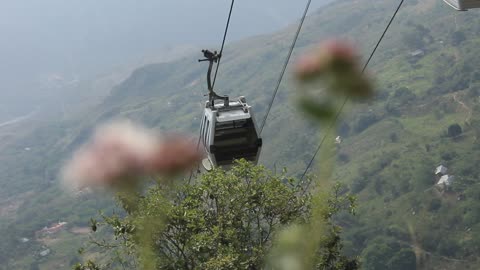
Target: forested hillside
{"points": [[426, 114]]}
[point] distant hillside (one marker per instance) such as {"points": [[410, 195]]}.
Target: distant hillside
{"points": [[427, 80], [54, 39]]}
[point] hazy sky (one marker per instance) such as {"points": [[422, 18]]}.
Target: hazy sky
{"points": [[84, 37]]}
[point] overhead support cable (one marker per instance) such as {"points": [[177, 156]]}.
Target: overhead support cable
{"points": [[287, 60], [223, 42], [215, 76], [332, 125]]}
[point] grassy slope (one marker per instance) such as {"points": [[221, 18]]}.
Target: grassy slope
{"points": [[395, 175]]}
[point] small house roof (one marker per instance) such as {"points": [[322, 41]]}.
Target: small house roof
{"points": [[417, 52], [24, 240], [446, 180], [45, 252], [441, 170]]}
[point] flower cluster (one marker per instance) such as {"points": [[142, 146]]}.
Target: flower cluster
{"points": [[336, 63], [122, 151]]}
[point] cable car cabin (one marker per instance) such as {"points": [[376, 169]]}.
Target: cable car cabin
{"points": [[229, 133], [463, 4]]}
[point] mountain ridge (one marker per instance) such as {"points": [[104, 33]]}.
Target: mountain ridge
{"points": [[391, 145]]}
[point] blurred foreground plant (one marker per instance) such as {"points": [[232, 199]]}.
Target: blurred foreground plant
{"points": [[246, 218], [225, 220], [327, 77], [119, 158], [120, 155]]}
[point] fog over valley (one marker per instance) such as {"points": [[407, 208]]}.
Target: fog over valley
{"points": [[59, 43]]}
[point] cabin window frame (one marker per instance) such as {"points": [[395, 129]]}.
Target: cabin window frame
{"points": [[207, 133], [202, 131]]}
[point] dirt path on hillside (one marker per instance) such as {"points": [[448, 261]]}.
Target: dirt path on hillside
{"points": [[464, 106]]}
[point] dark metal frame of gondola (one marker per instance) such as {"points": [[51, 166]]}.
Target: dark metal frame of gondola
{"points": [[213, 58]]}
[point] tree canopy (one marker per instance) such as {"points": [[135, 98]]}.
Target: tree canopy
{"points": [[225, 220]]}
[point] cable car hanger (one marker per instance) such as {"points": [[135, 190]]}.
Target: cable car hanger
{"points": [[228, 131], [215, 58], [212, 58]]}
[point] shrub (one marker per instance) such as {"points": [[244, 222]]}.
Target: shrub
{"points": [[364, 121], [434, 205], [454, 130], [458, 37], [358, 185]]}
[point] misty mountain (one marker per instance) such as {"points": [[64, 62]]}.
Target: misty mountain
{"points": [[41, 41], [390, 146]]}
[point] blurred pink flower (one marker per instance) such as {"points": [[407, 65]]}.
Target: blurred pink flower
{"points": [[330, 55], [123, 152], [337, 63]]}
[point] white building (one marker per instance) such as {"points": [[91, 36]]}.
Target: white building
{"points": [[441, 170], [45, 252], [417, 53], [24, 240], [446, 181]]}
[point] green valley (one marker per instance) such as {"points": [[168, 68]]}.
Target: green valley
{"points": [[426, 113]]}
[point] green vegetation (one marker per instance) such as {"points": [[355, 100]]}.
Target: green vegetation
{"points": [[389, 151], [224, 220]]}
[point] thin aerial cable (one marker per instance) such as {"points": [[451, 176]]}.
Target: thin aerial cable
{"points": [[346, 98], [223, 42], [287, 60], [383, 35], [215, 77]]}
